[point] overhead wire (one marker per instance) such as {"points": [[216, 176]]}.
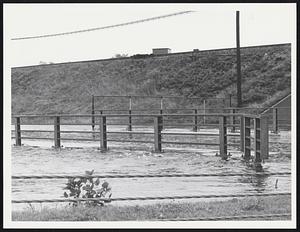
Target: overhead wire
{"points": [[104, 27]]}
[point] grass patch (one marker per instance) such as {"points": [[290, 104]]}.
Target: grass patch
{"points": [[158, 211]]}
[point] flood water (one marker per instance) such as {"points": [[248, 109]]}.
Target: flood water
{"points": [[37, 157]]}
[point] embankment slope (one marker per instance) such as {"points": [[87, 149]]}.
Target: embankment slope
{"points": [[67, 87]]}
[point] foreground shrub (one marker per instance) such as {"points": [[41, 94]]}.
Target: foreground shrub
{"points": [[86, 187]]}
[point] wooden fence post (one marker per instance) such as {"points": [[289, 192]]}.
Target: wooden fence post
{"points": [[233, 111], [204, 111], [247, 138], [195, 128], [275, 120], [129, 128], [242, 134], [257, 140], [94, 135], [223, 136], [157, 133], [103, 133], [161, 111], [57, 132], [230, 103], [18, 131], [93, 112], [264, 137]]}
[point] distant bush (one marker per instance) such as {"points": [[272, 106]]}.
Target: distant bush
{"points": [[120, 55], [43, 62], [140, 56]]}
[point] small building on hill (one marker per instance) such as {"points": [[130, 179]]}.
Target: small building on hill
{"points": [[161, 51]]}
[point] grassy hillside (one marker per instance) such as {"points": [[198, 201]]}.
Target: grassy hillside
{"points": [[67, 88]]}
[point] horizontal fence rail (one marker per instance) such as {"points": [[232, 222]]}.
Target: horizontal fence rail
{"points": [[152, 198], [133, 115], [148, 176], [132, 132], [145, 96], [189, 109], [225, 218]]}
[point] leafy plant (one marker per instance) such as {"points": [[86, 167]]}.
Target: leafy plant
{"points": [[86, 187]]}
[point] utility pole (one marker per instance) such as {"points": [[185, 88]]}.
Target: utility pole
{"points": [[238, 61]]}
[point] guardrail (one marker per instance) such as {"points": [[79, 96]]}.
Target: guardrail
{"points": [[260, 132]]}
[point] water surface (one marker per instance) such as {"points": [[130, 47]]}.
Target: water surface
{"points": [[38, 157]]}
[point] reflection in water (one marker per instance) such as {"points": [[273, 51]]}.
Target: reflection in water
{"points": [[259, 182]]}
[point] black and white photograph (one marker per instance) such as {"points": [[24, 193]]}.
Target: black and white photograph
{"points": [[139, 115]]}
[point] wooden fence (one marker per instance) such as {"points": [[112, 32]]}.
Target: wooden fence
{"points": [[275, 122], [258, 123]]}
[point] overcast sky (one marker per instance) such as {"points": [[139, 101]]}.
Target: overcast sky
{"points": [[210, 26]]}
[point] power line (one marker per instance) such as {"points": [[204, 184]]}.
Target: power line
{"points": [[101, 28]]}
